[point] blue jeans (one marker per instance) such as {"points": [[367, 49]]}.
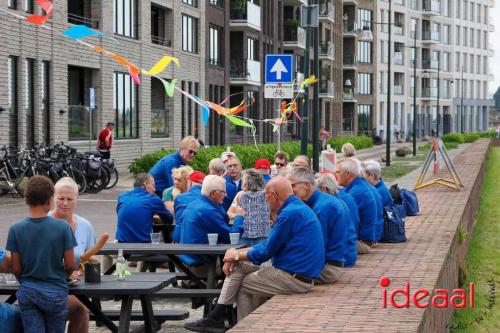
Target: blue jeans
{"points": [[43, 311], [10, 318], [252, 241]]}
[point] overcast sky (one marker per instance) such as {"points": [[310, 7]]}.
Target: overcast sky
{"points": [[495, 40]]}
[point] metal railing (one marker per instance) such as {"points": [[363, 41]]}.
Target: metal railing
{"points": [[429, 92], [430, 64], [161, 41], [326, 10], [245, 69], [294, 34], [326, 49], [89, 22], [431, 6], [430, 35], [350, 60]]}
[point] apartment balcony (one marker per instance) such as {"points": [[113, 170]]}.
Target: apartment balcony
{"points": [[294, 2], [430, 37], [245, 72], [161, 41], [350, 62], [89, 22], [429, 64], [348, 95], [398, 30], [398, 58], [326, 51], [431, 8], [326, 89], [294, 37], [246, 17], [398, 89], [326, 12], [429, 94], [350, 30]]}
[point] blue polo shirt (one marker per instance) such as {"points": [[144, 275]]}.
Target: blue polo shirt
{"points": [[295, 243], [231, 191], [361, 191], [379, 225], [266, 178], [351, 253], [135, 215], [180, 204], [384, 193], [162, 171], [334, 222], [202, 217]]}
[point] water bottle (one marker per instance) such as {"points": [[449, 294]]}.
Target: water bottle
{"points": [[121, 266]]}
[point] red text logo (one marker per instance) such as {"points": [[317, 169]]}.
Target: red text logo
{"points": [[421, 298]]}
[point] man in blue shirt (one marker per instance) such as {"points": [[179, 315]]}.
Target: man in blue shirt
{"points": [[327, 183], [295, 247], [10, 316], [373, 174], [349, 172], [233, 180], [184, 199], [333, 218], [136, 210], [205, 215], [162, 170]]}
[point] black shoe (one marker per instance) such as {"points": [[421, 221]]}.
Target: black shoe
{"points": [[207, 325]]}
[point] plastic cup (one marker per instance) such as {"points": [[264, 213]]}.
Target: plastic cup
{"points": [[10, 278], [212, 239], [235, 238], [155, 238]]}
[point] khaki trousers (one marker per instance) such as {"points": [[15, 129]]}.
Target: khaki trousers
{"points": [[250, 286], [329, 274]]}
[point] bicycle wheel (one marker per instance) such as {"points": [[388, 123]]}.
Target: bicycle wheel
{"points": [[98, 182], [113, 178], [79, 178]]}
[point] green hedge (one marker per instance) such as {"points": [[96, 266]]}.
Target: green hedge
{"points": [[247, 154], [467, 137]]}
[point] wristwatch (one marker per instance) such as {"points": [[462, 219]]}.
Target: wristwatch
{"points": [[237, 256]]}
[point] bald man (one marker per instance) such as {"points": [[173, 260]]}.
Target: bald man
{"points": [[295, 247]]}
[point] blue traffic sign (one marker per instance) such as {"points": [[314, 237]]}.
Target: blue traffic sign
{"points": [[279, 68]]}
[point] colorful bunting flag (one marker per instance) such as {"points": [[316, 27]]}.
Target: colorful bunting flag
{"points": [[47, 6], [81, 31], [161, 65]]}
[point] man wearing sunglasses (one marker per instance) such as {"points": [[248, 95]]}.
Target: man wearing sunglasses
{"points": [[280, 166], [162, 170]]}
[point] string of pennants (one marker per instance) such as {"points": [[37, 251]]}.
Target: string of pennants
{"points": [[79, 32]]}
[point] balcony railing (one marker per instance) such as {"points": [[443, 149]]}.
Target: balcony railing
{"points": [[326, 11], [216, 62], [245, 70], [430, 64], [350, 60], [218, 3], [349, 27], [326, 50], [161, 41], [294, 35], [429, 35], [248, 14], [398, 30], [75, 19], [429, 92], [431, 6], [348, 94], [413, 5], [326, 88], [398, 58], [398, 89]]}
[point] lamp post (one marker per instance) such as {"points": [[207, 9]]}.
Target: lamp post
{"points": [[367, 35], [415, 91], [462, 103], [426, 74]]}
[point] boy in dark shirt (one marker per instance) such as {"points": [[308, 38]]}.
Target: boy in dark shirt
{"points": [[38, 245]]}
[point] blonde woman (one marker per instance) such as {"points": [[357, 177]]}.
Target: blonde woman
{"points": [[65, 199], [180, 176]]}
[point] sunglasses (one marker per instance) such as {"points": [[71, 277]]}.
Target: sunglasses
{"points": [[280, 164], [192, 152]]}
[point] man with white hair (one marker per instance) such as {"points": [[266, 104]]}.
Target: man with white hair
{"points": [[162, 170], [205, 215], [233, 180], [373, 174], [349, 172], [216, 167], [333, 217], [327, 183]]}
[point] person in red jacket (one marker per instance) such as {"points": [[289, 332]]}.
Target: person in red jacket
{"points": [[105, 140]]}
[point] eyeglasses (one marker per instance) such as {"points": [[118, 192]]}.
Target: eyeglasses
{"points": [[280, 164], [230, 166], [192, 152]]}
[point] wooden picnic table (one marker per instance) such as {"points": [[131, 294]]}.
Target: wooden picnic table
{"points": [[138, 285]]}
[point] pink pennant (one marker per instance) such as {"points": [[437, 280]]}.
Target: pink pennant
{"points": [[134, 75], [47, 6]]}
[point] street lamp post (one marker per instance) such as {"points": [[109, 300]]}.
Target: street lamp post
{"points": [[462, 103], [415, 92]]}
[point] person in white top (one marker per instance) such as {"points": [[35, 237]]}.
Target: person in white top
{"points": [[280, 166]]}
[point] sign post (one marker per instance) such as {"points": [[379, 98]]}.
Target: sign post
{"points": [[279, 80], [91, 107]]}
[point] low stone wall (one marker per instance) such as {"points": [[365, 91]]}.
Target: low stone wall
{"points": [[437, 243]]}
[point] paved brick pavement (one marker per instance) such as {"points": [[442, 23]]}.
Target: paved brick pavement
{"points": [[354, 303]]}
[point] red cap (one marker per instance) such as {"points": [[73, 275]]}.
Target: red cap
{"points": [[197, 177], [262, 163]]}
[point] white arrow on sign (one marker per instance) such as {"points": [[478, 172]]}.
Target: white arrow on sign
{"points": [[278, 68]]}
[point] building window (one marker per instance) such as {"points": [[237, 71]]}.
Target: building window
{"points": [[214, 50], [125, 106], [13, 99], [458, 31], [252, 51], [364, 52], [446, 8], [125, 18], [364, 84], [189, 34], [446, 61], [45, 96], [364, 19], [12, 4], [364, 112], [28, 6], [193, 3], [219, 3], [160, 110], [29, 88], [446, 34]]}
